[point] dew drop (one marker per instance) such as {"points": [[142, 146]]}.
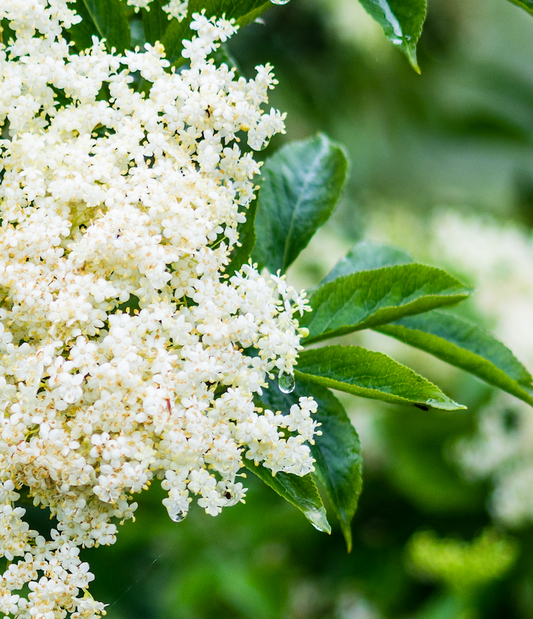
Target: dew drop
{"points": [[279, 1], [286, 382], [177, 516]]}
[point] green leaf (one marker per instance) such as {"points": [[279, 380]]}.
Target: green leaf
{"points": [[301, 186], [527, 5], [370, 375], [371, 298], [105, 19], [155, 21], [299, 491], [337, 451], [467, 346], [243, 11], [402, 22], [365, 256], [247, 238]]}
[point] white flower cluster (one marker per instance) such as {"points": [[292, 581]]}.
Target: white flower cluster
{"points": [[174, 8], [499, 259], [126, 353]]}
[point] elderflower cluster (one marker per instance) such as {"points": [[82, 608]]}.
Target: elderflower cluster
{"points": [[174, 8], [499, 259], [126, 353]]}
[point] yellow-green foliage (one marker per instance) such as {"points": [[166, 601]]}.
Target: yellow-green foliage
{"points": [[462, 566]]}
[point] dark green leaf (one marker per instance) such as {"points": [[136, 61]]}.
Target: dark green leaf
{"points": [[370, 375], [402, 22], [527, 5], [337, 451], [105, 19], [299, 491], [243, 11], [467, 346], [365, 256], [155, 21], [370, 298], [301, 186], [7, 32], [247, 239]]}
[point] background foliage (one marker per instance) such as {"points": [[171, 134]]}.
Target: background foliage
{"points": [[459, 135]]}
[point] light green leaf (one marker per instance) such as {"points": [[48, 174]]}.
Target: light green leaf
{"points": [[155, 21], [365, 256], [301, 186], [243, 11], [247, 238], [370, 375], [467, 346], [371, 298], [527, 5], [402, 22], [337, 451], [299, 491], [105, 19]]}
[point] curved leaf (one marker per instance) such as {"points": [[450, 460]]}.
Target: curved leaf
{"points": [[467, 346], [370, 298], [366, 256], [105, 19], [402, 22], [372, 375], [337, 451], [527, 5], [299, 491], [301, 185]]}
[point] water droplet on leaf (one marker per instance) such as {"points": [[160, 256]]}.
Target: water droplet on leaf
{"points": [[286, 382], [279, 1]]}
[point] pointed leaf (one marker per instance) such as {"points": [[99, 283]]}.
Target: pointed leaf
{"points": [[299, 491], [402, 22], [467, 346], [365, 256], [370, 298], [243, 11], [105, 19], [247, 238], [527, 5], [155, 21], [301, 186], [337, 451], [372, 375]]}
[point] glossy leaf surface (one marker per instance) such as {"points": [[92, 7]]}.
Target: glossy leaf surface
{"points": [[370, 298], [299, 491], [372, 375], [527, 5], [467, 346], [301, 186], [337, 451], [366, 256], [105, 19], [402, 22]]}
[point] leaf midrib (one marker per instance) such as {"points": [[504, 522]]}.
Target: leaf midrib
{"points": [[306, 183]]}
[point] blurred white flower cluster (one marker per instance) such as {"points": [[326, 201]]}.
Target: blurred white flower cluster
{"points": [[126, 353], [174, 8], [498, 258]]}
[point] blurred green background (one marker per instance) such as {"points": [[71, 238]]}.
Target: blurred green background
{"points": [[432, 540]]}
